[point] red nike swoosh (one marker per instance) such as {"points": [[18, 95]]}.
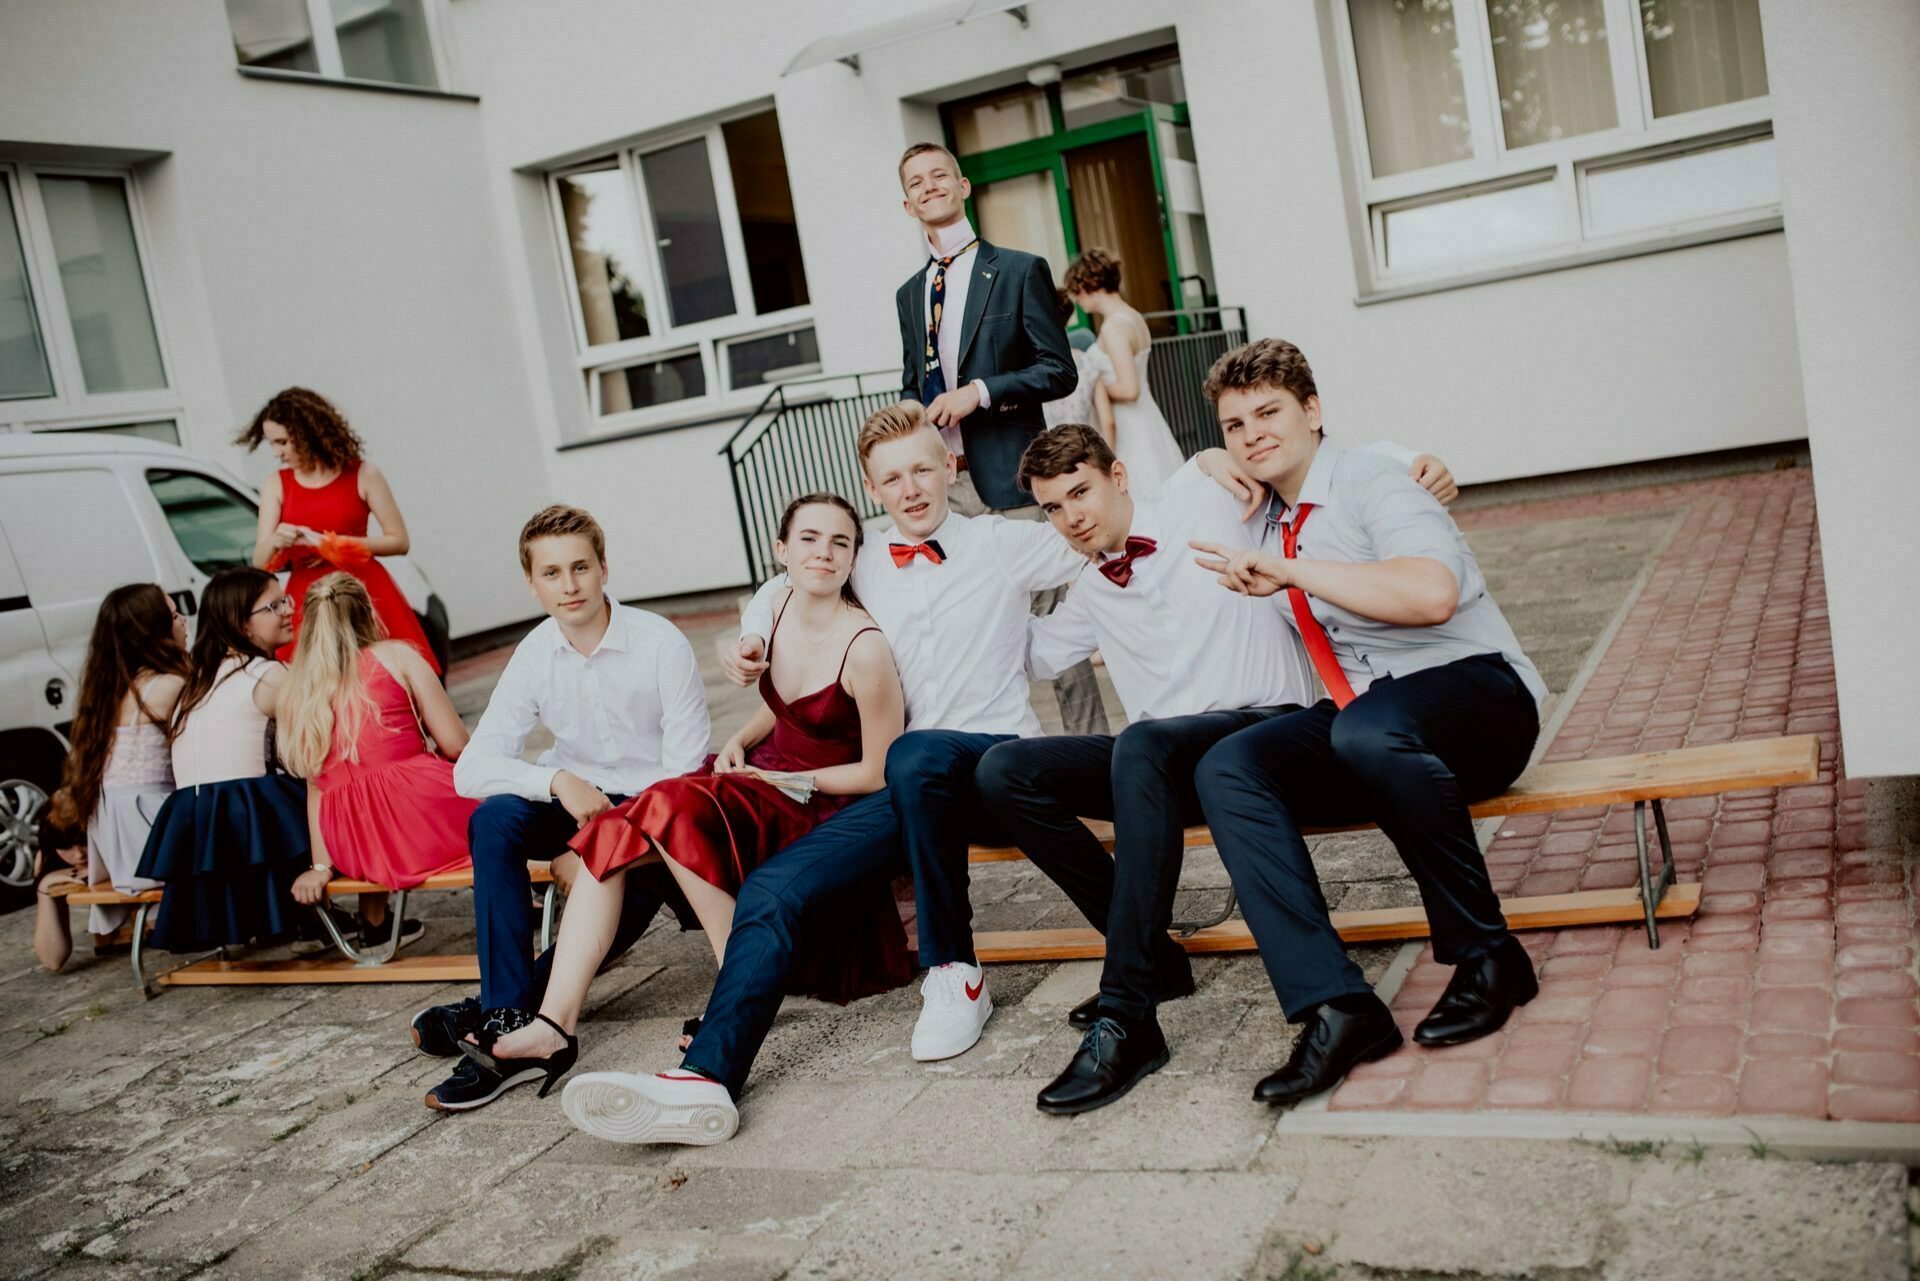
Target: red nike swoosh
{"points": [[974, 989]]}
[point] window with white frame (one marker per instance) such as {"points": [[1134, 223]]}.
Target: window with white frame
{"points": [[1499, 136], [380, 41], [80, 348], [683, 260]]}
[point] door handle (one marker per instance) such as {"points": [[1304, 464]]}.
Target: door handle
{"points": [[56, 692], [183, 601]]}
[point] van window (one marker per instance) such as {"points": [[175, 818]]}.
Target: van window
{"points": [[74, 534], [214, 525]]}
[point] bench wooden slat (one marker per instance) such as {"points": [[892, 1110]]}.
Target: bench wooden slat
{"points": [[330, 969], [1543, 912], [462, 879], [1566, 785]]}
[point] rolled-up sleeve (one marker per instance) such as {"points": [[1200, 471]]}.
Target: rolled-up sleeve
{"points": [[757, 618], [1405, 520]]}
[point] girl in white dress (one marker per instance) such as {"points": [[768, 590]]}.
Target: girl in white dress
{"points": [[1088, 403], [119, 770], [1142, 439]]}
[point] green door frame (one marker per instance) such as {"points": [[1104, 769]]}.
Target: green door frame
{"points": [[1049, 155]]}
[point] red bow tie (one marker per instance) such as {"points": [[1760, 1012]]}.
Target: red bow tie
{"points": [[1120, 568], [905, 552]]}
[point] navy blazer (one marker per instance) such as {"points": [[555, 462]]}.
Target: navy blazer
{"points": [[1011, 338]]}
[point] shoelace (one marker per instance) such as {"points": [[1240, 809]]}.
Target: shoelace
{"points": [[944, 984], [1103, 1038]]}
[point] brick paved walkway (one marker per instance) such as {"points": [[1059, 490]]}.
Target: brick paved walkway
{"points": [[1792, 993]]}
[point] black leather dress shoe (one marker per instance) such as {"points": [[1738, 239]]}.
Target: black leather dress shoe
{"points": [[1331, 1044], [1480, 996], [1113, 1057], [1087, 1013]]}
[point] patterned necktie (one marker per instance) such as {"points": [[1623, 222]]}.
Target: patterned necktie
{"points": [[903, 553], [1119, 570], [933, 379], [1319, 647]]}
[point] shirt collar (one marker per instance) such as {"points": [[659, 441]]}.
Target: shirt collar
{"points": [[618, 637], [1317, 489], [949, 240], [951, 530]]}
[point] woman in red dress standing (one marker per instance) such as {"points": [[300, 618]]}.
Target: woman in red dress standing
{"points": [[832, 707], [313, 513]]}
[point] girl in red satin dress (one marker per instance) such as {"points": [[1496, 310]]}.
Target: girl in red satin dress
{"points": [[313, 513], [832, 707]]}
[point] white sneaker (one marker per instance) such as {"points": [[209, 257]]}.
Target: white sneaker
{"points": [[672, 1107], [954, 1010]]}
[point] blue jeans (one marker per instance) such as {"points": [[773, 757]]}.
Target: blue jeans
{"points": [[1409, 754], [858, 845], [505, 834]]}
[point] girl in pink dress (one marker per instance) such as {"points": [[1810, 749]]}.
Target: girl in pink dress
{"points": [[354, 716]]}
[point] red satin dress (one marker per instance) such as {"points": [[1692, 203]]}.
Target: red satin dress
{"points": [[722, 826], [337, 508]]}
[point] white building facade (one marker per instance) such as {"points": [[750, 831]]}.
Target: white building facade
{"points": [[559, 251]]}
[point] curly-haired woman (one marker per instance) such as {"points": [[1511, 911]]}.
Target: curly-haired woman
{"points": [[1141, 437], [313, 513]]}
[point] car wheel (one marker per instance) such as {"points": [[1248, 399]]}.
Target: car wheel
{"points": [[22, 802], [439, 637]]}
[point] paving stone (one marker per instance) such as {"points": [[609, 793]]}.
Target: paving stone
{"points": [[1143, 1224], [967, 1225]]}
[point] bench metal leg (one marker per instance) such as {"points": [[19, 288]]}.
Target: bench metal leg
{"points": [[546, 917], [1652, 890], [396, 912], [1187, 929], [138, 951]]}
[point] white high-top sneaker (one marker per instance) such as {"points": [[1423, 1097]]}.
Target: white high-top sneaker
{"points": [[954, 1009], [671, 1107]]}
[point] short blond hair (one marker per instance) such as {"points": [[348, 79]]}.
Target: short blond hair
{"points": [[891, 423], [920, 149], [558, 521]]}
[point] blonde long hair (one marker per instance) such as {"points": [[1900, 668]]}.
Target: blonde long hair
{"points": [[324, 700]]}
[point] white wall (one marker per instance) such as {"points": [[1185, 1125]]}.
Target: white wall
{"points": [[1848, 121], [342, 239]]}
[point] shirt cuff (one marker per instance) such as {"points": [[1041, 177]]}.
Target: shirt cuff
{"points": [[980, 385]]}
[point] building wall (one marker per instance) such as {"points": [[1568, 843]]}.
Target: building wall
{"points": [[398, 252], [343, 239], [1849, 138]]}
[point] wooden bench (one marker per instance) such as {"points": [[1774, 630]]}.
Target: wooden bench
{"points": [[351, 965], [1646, 779]]}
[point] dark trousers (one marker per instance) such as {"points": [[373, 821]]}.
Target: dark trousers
{"points": [[505, 834], [930, 775], [1409, 754], [1039, 789], [855, 847]]}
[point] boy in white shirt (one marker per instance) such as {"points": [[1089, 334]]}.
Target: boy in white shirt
{"points": [[620, 692]]}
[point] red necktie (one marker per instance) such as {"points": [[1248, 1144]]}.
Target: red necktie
{"points": [[905, 552], [1120, 568], [1319, 648]]}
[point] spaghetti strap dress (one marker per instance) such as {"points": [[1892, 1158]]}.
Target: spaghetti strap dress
{"points": [[337, 508], [391, 816], [723, 826], [136, 782]]}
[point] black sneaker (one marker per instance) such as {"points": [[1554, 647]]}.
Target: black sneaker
{"points": [[376, 935], [474, 1086], [311, 937], [439, 1029]]}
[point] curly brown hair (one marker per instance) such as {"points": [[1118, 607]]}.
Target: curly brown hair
{"points": [[320, 433], [1093, 272]]}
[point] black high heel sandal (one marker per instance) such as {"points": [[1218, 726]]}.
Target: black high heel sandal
{"points": [[499, 1023]]}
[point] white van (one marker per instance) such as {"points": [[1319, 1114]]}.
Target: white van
{"points": [[79, 516]]}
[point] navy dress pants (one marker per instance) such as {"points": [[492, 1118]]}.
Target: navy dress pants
{"points": [[1410, 754], [505, 834], [930, 775], [1039, 789], [859, 845]]}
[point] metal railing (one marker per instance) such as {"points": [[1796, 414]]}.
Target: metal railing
{"points": [[1178, 369], [800, 438]]}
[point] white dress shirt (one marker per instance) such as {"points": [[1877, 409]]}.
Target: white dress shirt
{"points": [[1366, 508], [959, 628], [952, 312], [623, 717], [1175, 642]]}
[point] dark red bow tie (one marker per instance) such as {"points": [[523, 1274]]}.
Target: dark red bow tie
{"points": [[905, 552], [1120, 568]]}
